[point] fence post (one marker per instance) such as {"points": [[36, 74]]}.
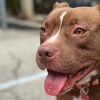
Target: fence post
{"points": [[27, 8]]}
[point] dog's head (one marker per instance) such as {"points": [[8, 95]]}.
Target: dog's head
{"points": [[70, 46]]}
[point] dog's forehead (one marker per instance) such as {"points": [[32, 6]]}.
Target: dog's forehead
{"points": [[54, 16], [81, 13], [87, 14]]}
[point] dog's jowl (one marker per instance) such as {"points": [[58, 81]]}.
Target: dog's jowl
{"points": [[70, 52]]}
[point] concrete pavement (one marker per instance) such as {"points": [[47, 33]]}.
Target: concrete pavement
{"points": [[17, 61]]}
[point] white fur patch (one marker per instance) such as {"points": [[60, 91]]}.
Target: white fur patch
{"points": [[74, 98], [84, 80], [87, 78], [52, 39]]}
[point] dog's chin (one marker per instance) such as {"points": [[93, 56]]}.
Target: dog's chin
{"points": [[57, 83]]}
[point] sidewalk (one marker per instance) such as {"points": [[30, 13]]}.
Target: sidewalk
{"points": [[17, 61], [35, 23]]}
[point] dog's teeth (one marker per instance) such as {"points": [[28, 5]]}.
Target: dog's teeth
{"points": [[70, 75]]}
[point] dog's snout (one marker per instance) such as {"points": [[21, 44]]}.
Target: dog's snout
{"points": [[47, 56], [46, 52]]}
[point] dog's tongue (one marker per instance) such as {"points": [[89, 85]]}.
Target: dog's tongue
{"points": [[54, 83]]}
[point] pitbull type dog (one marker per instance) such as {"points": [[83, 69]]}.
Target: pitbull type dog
{"points": [[70, 51]]}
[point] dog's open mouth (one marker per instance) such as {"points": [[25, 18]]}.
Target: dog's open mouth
{"points": [[57, 83]]}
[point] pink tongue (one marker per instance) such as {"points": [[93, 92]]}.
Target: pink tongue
{"points": [[54, 83]]}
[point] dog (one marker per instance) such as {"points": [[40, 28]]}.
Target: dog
{"points": [[70, 52]]}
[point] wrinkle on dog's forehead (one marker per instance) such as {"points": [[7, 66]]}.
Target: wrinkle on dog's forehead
{"points": [[58, 32]]}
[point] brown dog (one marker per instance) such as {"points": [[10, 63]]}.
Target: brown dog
{"points": [[70, 51]]}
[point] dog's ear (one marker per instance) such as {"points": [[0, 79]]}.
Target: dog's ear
{"points": [[98, 6], [60, 5]]}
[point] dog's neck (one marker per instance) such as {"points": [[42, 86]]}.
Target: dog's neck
{"points": [[91, 80], [88, 78]]}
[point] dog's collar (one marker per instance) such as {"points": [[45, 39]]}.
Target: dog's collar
{"points": [[84, 89]]}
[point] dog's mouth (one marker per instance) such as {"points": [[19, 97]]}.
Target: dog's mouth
{"points": [[57, 83]]}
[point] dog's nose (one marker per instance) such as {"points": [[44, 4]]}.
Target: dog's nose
{"points": [[45, 52]]}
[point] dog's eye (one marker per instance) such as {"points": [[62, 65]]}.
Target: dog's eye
{"points": [[79, 31], [43, 30]]}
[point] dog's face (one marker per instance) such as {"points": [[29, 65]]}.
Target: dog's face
{"points": [[70, 46]]}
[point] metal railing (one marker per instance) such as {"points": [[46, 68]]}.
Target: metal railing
{"points": [[5, 20], [3, 15]]}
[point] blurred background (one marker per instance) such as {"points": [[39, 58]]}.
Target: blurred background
{"points": [[20, 20]]}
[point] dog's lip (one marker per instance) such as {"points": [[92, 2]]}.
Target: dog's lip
{"points": [[78, 75], [71, 79], [69, 72]]}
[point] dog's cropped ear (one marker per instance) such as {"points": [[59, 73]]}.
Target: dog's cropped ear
{"points": [[98, 6], [60, 5]]}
